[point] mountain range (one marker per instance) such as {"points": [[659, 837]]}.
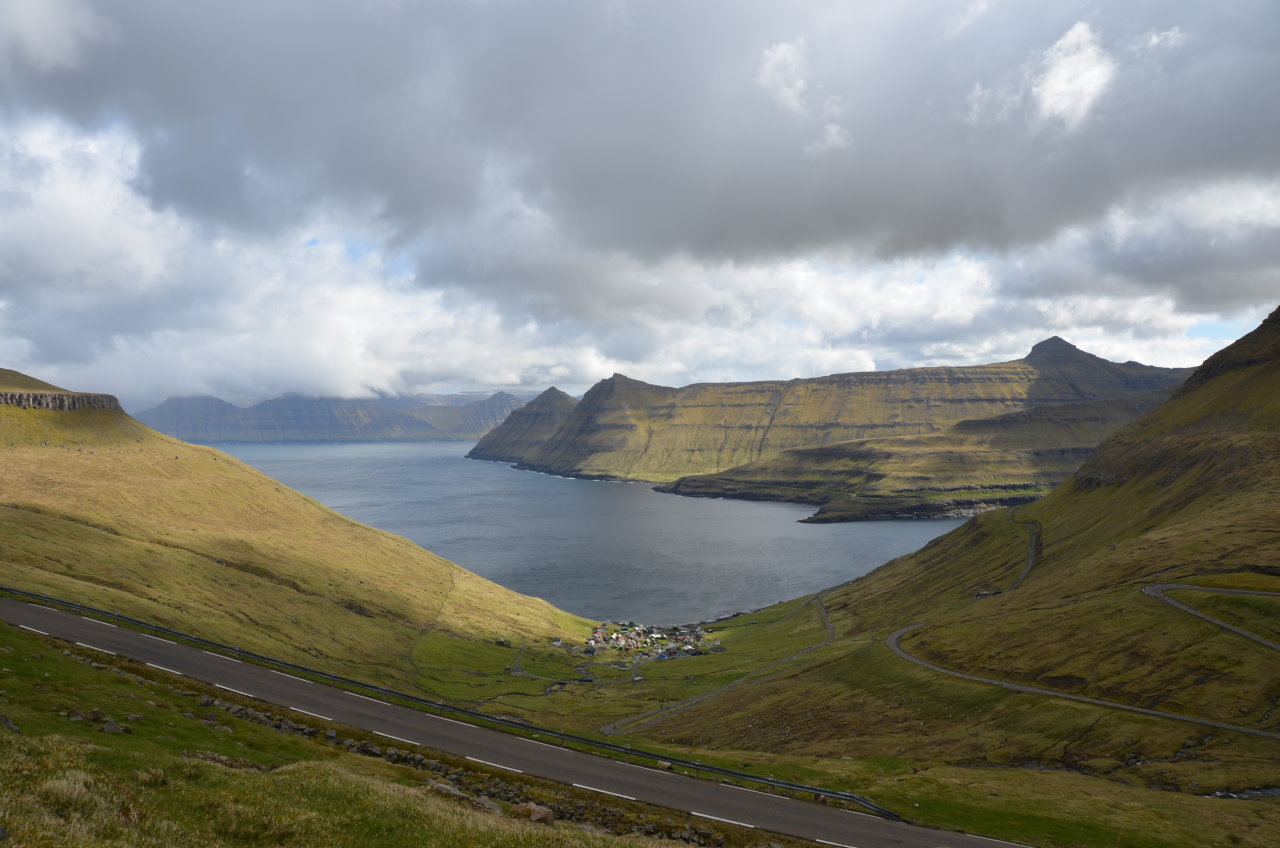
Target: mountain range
{"points": [[293, 418], [917, 442]]}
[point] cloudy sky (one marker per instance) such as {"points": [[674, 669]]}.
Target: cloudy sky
{"points": [[248, 198]]}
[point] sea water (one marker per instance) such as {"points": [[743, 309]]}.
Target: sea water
{"points": [[604, 550]]}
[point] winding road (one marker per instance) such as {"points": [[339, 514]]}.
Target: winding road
{"points": [[1155, 591], [703, 798]]}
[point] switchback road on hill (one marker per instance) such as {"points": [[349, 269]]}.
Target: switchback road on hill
{"points": [[1155, 591], [704, 798]]}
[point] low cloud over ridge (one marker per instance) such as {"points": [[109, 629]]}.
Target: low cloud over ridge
{"points": [[244, 199]]}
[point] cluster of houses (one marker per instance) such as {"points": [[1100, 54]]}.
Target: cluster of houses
{"points": [[651, 643]]}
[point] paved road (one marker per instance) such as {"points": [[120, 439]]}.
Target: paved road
{"points": [[718, 802], [895, 646], [1158, 590]]}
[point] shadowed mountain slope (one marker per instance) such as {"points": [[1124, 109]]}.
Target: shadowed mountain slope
{"points": [[529, 428], [624, 428], [98, 508]]}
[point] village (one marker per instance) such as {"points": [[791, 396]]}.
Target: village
{"points": [[641, 643]]}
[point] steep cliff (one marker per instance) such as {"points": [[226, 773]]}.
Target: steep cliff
{"points": [[526, 429], [968, 468], [297, 418], [624, 428]]}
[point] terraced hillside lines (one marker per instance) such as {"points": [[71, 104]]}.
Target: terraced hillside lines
{"points": [[965, 469], [98, 508], [625, 428]]}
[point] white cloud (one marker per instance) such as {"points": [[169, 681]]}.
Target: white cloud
{"points": [[782, 73], [46, 34], [1075, 73]]}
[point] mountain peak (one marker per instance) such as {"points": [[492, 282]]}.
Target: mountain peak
{"points": [[1054, 347]]}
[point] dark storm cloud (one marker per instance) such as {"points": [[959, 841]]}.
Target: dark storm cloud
{"points": [[644, 127]]}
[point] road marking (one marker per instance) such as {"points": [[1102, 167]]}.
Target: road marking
{"points": [[717, 818], [282, 674], [50, 609], [308, 712], [237, 691], [162, 668], [95, 621], [219, 656], [495, 765], [96, 648], [543, 744], [745, 789], [451, 721], [158, 639], [837, 844], [367, 698], [397, 738], [604, 791], [33, 630]]}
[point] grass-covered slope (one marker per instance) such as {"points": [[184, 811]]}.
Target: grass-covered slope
{"points": [[970, 467], [624, 428], [115, 755], [97, 508], [1188, 494], [16, 381]]}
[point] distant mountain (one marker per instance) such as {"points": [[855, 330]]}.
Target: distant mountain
{"points": [[292, 418], [529, 428], [624, 428]]}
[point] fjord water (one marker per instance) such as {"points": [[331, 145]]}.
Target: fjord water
{"points": [[604, 550]]}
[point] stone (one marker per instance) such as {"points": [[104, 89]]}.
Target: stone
{"points": [[110, 726], [7, 724], [535, 813]]}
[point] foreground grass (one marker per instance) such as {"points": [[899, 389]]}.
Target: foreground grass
{"points": [[196, 775]]}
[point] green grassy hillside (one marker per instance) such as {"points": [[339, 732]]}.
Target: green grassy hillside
{"points": [[97, 508], [14, 381]]}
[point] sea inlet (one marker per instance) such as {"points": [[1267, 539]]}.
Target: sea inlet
{"points": [[604, 550]]}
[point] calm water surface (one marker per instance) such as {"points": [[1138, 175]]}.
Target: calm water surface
{"points": [[604, 550]]}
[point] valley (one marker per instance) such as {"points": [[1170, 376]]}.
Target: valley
{"points": [[1022, 676]]}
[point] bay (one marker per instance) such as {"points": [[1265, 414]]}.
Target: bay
{"points": [[604, 550]]}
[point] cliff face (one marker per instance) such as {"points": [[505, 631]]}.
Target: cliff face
{"points": [[624, 428], [526, 429], [296, 418], [969, 468], [59, 401]]}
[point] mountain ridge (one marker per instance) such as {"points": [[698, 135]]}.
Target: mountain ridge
{"points": [[293, 417], [628, 429]]}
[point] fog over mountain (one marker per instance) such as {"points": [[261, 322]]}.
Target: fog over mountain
{"points": [[245, 199]]}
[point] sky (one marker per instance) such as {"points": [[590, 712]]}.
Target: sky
{"points": [[244, 199]]}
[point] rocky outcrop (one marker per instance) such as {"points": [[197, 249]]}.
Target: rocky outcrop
{"points": [[292, 418], [60, 401], [529, 428], [624, 428]]}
